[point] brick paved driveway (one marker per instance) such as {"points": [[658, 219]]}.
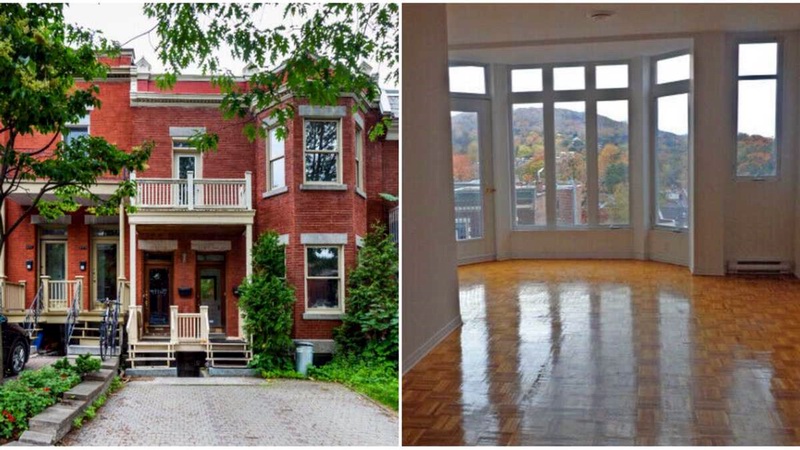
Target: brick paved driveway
{"points": [[237, 411]]}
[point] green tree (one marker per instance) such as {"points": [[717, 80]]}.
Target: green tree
{"points": [[370, 324], [41, 58], [319, 50], [267, 302]]}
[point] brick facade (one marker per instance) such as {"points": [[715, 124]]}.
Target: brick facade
{"points": [[126, 122]]}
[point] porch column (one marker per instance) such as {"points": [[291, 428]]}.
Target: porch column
{"points": [[248, 267], [121, 250], [3, 251], [134, 296]]}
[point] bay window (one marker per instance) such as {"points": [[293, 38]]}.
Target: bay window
{"points": [[322, 151]]}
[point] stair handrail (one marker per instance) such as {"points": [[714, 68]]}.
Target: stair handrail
{"points": [[32, 313], [73, 311]]}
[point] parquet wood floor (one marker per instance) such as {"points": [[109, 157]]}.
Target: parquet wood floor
{"points": [[611, 353]]}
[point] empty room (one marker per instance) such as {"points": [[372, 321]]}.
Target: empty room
{"points": [[600, 224]]}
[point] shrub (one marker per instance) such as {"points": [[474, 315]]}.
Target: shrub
{"points": [[370, 324], [372, 377], [86, 364], [267, 302]]}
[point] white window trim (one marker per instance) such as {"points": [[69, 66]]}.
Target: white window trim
{"points": [[359, 160], [778, 77], [184, 151], [338, 151], [666, 90], [548, 97], [278, 189], [83, 122], [324, 311]]}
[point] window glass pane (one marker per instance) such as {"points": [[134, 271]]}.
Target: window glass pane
{"points": [[323, 261], [526, 80], [529, 176], [570, 137], [569, 78], [612, 162], [275, 145], [323, 293], [467, 175], [756, 154], [321, 166], [468, 79], [672, 161], [673, 69], [75, 132], [611, 77], [181, 144], [55, 260], [277, 173], [758, 59], [321, 135]]}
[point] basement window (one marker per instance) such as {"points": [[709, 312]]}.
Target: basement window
{"points": [[757, 110]]}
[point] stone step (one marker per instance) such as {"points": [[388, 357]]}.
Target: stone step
{"points": [[85, 390], [101, 375], [38, 438], [56, 419]]}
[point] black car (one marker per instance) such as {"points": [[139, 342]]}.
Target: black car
{"points": [[16, 346]]}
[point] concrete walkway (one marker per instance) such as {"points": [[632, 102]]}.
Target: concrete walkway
{"points": [[237, 411]]}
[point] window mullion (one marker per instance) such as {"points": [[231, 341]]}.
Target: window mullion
{"points": [[592, 184], [548, 123]]}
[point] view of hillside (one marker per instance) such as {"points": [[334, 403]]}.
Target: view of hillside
{"points": [[755, 156]]}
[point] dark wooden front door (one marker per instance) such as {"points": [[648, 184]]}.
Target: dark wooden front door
{"points": [[158, 290]]}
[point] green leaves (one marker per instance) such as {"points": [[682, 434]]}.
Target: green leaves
{"points": [[316, 52]]}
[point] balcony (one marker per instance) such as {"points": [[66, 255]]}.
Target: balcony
{"points": [[190, 193]]}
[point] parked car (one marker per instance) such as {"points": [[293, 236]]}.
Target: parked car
{"points": [[16, 346]]}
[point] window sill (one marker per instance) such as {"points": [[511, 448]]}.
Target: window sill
{"points": [[323, 187], [583, 228], [361, 193], [274, 192], [322, 316]]}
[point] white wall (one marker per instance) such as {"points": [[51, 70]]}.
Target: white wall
{"points": [[429, 281]]}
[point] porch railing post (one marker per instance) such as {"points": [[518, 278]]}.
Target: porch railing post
{"points": [[190, 189], [248, 190], [79, 288], [204, 323], [45, 300], [173, 324]]}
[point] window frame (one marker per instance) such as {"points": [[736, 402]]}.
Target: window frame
{"points": [[79, 125], [337, 151], [358, 152], [186, 151], [341, 278], [548, 97], [665, 90], [778, 77], [270, 160]]}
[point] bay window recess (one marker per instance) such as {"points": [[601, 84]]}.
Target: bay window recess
{"points": [[670, 138], [757, 109], [569, 126]]}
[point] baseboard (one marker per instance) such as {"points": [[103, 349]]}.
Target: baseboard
{"points": [[668, 260], [477, 259], [418, 354]]}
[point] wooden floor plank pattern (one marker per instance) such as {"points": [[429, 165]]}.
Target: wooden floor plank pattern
{"points": [[611, 353]]}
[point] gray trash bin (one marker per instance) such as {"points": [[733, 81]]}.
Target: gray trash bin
{"points": [[304, 356]]}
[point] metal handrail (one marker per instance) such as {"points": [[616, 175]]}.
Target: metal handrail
{"points": [[72, 315], [32, 313]]}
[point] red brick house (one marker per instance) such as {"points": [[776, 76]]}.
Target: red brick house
{"points": [[177, 261]]}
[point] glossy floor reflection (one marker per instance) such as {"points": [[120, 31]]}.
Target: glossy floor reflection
{"points": [[611, 353]]}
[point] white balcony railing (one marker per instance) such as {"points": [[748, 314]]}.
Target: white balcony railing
{"points": [[189, 327], [194, 193], [59, 293]]}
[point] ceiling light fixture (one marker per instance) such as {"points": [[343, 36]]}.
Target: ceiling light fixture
{"points": [[598, 16]]}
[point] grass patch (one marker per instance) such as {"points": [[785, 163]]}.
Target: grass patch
{"points": [[376, 379]]}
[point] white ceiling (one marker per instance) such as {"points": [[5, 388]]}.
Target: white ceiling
{"points": [[507, 25]]}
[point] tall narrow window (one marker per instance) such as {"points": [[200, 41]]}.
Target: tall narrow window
{"points": [[276, 170], [570, 140], [321, 151], [76, 130], [530, 189], [359, 159], [671, 140], [612, 162], [467, 175], [756, 149]]}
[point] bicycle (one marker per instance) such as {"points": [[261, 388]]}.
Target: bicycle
{"points": [[108, 328]]}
